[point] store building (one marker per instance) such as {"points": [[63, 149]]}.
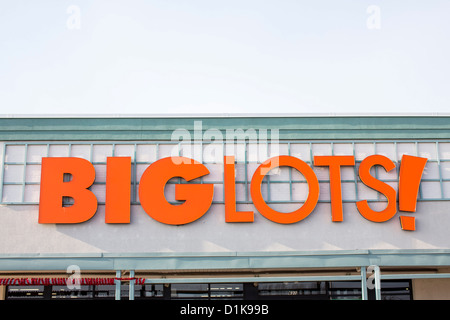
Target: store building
{"points": [[225, 207]]}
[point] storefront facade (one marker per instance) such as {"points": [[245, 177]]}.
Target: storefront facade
{"points": [[234, 207]]}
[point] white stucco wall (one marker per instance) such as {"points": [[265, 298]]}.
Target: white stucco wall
{"points": [[20, 232]]}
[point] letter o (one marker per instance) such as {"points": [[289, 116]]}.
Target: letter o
{"points": [[276, 216]]}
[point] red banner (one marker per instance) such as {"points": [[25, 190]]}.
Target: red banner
{"points": [[65, 281]]}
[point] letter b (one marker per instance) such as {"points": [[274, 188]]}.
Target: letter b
{"points": [[54, 188]]}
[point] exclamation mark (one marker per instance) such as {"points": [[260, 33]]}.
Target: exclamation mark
{"points": [[411, 170]]}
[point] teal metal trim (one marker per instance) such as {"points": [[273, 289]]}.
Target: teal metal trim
{"points": [[161, 128], [118, 284], [415, 276], [377, 281], [227, 260], [364, 294], [253, 279], [131, 286]]}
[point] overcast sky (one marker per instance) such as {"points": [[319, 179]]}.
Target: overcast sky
{"points": [[211, 56]]}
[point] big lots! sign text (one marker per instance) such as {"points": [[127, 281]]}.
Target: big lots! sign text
{"points": [[198, 197]]}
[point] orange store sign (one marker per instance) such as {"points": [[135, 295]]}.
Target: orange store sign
{"points": [[198, 197]]}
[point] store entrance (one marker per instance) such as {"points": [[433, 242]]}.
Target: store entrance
{"points": [[311, 290]]}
